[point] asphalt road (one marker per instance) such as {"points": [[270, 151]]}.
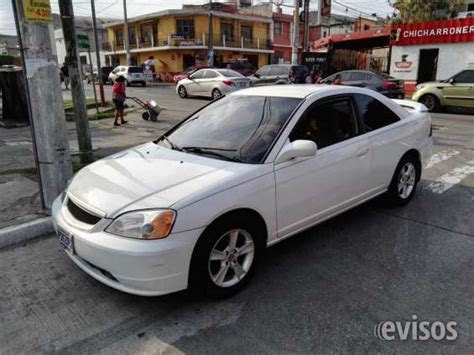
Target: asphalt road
{"points": [[320, 292]]}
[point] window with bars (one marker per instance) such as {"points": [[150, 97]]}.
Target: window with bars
{"points": [[246, 33], [227, 30], [185, 28], [145, 33], [279, 28]]}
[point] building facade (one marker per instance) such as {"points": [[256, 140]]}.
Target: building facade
{"points": [[178, 39]]}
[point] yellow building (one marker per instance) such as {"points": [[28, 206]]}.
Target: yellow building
{"points": [[178, 39]]}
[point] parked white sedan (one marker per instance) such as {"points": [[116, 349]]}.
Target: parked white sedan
{"points": [[211, 83], [196, 207]]}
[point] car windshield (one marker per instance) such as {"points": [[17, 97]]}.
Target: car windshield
{"points": [[230, 73], [237, 128], [135, 70]]}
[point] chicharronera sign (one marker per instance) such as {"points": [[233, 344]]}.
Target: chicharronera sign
{"points": [[449, 31]]}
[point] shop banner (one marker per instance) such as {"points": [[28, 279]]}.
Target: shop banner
{"points": [[37, 11], [448, 31]]}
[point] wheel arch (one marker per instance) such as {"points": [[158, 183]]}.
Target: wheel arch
{"points": [[417, 155]]}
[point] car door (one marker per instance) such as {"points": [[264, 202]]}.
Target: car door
{"points": [[193, 85], [261, 76], [460, 91], [207, 82], [312, 189], [387, 136]]}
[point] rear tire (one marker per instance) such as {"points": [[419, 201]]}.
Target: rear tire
{"points": [[226, 255], [216, 94], [431, 102], [404, 181], [182, 92]]}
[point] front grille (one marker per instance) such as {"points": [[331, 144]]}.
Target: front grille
{"points": [[81, 214]]}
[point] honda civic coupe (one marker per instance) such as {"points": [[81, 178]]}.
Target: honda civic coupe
{"points": [[196, 208]]}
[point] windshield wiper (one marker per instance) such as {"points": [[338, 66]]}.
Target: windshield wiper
{"points": [[212, 151], [172, 145]]}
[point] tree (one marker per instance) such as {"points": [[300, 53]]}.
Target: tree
{"points": [[426, 10]]}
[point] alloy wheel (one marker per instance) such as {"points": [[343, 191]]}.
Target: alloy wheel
{"points": [[430, 102], [216, 94], [406, 180], [231, 258]]}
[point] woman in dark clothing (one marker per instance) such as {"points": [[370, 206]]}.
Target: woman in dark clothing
{"points": [[118, 97]]}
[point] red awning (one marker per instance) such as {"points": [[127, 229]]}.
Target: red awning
{"points": [[355, 40]]}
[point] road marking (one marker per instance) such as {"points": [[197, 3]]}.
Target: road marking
{"points": [[440, 156], [448, 180]]}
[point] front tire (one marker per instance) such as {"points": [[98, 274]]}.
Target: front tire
{"points": [[431, 102], [225, 256], [182, 92], [404, 181]]}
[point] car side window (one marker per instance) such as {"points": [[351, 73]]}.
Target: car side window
{"points": [[355, 76], [327, 123], [198, 75], [465, 77], [373, 113], [264, 71], [209, 74]]}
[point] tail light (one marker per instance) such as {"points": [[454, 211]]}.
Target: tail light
{"points": [[229, 82], [389, 85]]}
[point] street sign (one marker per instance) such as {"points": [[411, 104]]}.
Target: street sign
{"points": [[83, 41], [37, 11]]}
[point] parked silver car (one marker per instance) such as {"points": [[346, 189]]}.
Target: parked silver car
{"points": [[132, 75], [211, 83]]}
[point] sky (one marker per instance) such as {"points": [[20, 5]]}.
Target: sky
{"points": [[114, 8]]}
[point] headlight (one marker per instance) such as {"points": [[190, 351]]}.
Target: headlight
{"points": [[419, 87], [155, 224]]}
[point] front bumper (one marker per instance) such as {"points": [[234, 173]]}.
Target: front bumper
{"points": [[140, 267]]}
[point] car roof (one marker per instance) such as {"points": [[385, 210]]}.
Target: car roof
{"points": [[294, 91]]}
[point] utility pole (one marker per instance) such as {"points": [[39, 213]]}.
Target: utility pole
{"points": [[306, 26], [296, 30], [77, 89], [97, 56], [47, 120], [125, 34], [210, 43]]}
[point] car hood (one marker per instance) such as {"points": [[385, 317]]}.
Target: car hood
{"points": [[150, 176]]}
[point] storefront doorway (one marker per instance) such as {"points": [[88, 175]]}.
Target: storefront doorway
{"points": [[188, 61], [428, 65]]}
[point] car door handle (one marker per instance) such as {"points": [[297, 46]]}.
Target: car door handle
{"points": [[362, 152]]}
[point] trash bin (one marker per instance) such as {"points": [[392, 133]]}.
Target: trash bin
{"points": [[14, 106]]}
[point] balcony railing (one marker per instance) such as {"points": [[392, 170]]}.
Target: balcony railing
{"points": [[179, 42]]}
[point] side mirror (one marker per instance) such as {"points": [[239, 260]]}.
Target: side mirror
{"points": [[297, 149], [452, 81], [257, 75]]}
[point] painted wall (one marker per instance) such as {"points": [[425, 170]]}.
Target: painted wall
{"points": [[452, 59]]}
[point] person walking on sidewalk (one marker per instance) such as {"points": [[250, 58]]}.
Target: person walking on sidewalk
{"points": [[118, 97], [65, 75]]}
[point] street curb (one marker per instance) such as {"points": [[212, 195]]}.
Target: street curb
{"points": [[26, 231]]}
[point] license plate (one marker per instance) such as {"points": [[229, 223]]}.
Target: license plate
{"points": [[243, 85], [66, 240]]}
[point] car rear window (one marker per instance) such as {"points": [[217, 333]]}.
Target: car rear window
{"points": [[135, 70]]}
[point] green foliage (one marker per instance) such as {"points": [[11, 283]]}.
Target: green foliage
{"points": [[410, 11]]}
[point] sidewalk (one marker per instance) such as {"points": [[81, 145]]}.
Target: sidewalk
{"points": [[20, 200]]}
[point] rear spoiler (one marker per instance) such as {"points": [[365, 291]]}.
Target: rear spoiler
{"points": [[412, 105]]}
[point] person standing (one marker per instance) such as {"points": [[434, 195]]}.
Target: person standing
{"points": [[118, 97], [65, 75]]}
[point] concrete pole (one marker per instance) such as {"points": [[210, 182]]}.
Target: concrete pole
{"points": [[210, 44], [97, 55], [47, 119], [306, 26], [77, 88], [125, 34], [296, 30]]}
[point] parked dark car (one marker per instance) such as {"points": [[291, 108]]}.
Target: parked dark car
{"points": [[244, 68], [383, 83], [280, 74]]}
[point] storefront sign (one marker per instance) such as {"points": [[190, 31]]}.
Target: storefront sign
{"points": [[404, 64], [37, 11], [449, 31]]}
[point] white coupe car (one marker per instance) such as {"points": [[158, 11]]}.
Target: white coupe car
{"points": [[195, 208]]}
